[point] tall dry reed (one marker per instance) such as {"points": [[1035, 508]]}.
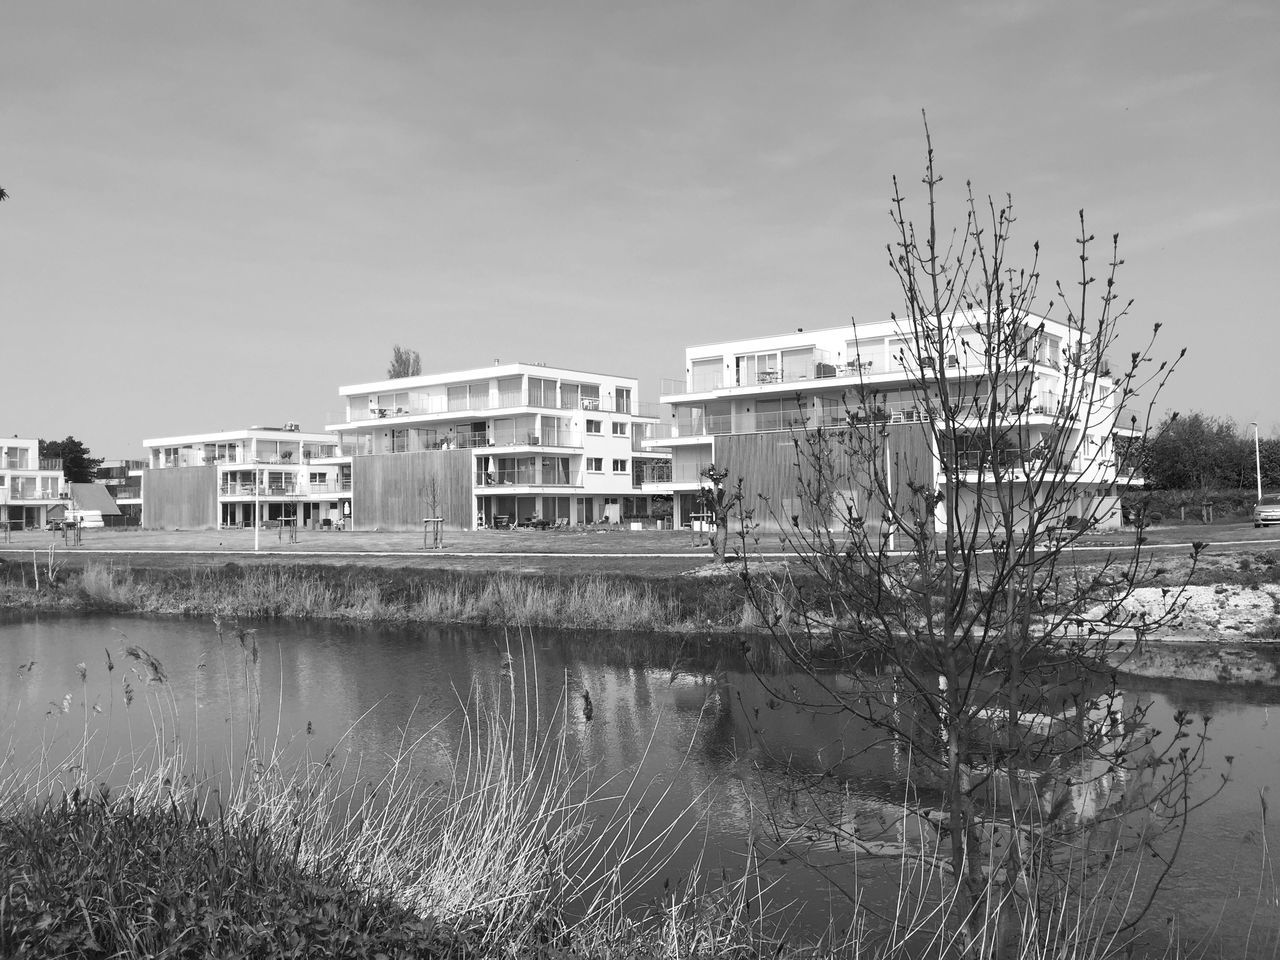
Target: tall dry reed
{"points": [[500, 599], [517, 849]]}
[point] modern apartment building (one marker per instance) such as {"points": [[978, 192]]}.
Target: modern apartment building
{"points": [[29, 486], [513, 443], [123, 480], [229, 478], [741, 405]]}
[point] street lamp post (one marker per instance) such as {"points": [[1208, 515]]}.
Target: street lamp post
{"points": [[257, 491], [1257, 458]]}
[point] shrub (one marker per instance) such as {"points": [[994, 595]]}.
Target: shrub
{"points": [[85, 880]]}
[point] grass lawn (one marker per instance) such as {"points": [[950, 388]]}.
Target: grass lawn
{"points": [[647, 553]]}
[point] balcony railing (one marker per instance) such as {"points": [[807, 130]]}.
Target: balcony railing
{"points": [[250, 489], [30, 494], [522, 476], [24, 463], [430, 406], [260, 490], [653, 471], [815, 370], [1032, 459], [521, 438]]}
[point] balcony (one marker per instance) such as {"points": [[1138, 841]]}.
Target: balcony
{"points": [[522, 477], [702, 382], [1023, 459], [25, 494], [651, 471], [326, 489], [435, 406], [521, 438], [257, 490]]}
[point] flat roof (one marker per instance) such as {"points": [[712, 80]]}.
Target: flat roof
{"points": [[852, 331], [480, 373], [270, 433]]}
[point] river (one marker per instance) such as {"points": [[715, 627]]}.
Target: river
{"points": [[687, 716]]}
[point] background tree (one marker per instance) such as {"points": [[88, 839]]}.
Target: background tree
{"points": [[77, 465], [404, 363], [936, 599], [1198, 452], [1269, 455]]}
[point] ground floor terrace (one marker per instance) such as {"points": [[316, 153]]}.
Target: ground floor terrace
{"points": [[311, 513], [500, 510], [27, 516]]}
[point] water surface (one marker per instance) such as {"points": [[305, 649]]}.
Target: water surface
{"points": [[687, 716]]}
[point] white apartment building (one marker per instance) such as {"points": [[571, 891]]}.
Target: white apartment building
{"points": [[740, 403], [513, 443], [29, 486], [230, 478]]}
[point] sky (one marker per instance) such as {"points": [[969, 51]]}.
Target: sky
{"points": [[219, 213]]}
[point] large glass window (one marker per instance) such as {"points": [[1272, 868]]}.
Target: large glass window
{"points": [[509, 392], [542, 392], [469, 396], [753, 368], [555, 470], [705, 375]]}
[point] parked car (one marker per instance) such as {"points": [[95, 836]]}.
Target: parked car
{"points": [[1267, 510]]}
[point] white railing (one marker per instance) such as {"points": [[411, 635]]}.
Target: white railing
{"points": [[521, 477], [431, 406]]}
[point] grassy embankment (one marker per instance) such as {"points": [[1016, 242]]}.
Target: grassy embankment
{"points": [[387, 595], [604, 600]]}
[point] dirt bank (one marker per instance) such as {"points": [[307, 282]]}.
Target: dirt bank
{"points": [[1222, 611]]}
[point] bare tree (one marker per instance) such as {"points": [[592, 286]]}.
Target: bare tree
{"points": [[404, 363], [719, 503], [934, 594]]}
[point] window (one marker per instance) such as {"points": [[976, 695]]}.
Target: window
{"points": [[593, 426], [468, 396], [619, 466], [555, 470], [622, 399], [705, 375], [595, 464], [619, 429], [542, 392]]}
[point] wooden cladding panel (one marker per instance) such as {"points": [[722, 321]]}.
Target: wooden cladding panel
{"points": [[392, 491], [771, 466], [180, 498]]}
